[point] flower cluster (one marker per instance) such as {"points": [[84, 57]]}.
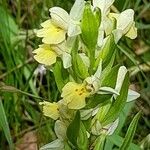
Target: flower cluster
{"points": [[83, 44]]}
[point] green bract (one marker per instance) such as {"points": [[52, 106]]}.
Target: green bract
{"points": [[80, 48]]}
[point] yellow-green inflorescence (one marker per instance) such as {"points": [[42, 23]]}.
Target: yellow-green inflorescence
{"points": [[59, 33]]}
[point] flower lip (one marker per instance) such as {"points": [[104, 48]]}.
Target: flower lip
{"points": [[45, 55], [74, 95], [50, 109], [51, 33], [59, 17]]}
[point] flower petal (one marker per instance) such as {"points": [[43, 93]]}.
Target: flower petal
{"points": [[50, 109], [51, 34], [66, 57], [74, 95], [77, 10], [77, 103], [132, 95], [92, 83], [60, 130], [70, 86], [118, 33], [100, 37], [108, 90], [132, 33], [125, 20], [113, 127], [45, 55], [104, 5], [74, 29], [59, 17], [86, 114], [120, 78]]}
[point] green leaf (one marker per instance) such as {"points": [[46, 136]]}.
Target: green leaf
{"points": [[60, 74], [110, 74], [4, 125], [107, 51], [67, 147], [82, 140], [87, 124], [123, 116], [9, 28], [100, 142], [78, 65], [73, 129], [89, 28], [119, 103], [130, 133], [82, 68], [98, 99], [108, 144], [107, 69], [117, 140]]}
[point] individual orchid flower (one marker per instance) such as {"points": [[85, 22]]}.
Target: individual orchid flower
{"points": [[125, 25], [70, 22], [50, 109], [61, 23], [47, 54], [57, 110], [74, 94]]}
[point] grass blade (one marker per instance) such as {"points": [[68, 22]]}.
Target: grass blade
{"points": [[4, 125]]}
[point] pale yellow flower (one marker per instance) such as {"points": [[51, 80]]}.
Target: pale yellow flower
{"points": [[51, 33], [45, 55], [61, 24], [74, 95], [125, 24], [50, 109]]}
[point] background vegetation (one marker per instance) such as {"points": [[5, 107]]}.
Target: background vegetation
{"points": [[21, 88]]}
